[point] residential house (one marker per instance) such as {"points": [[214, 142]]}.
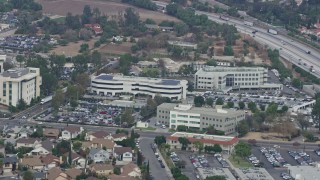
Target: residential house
{"points": [[98, 134], [27, 142], [76, 159], [9, 164], [47, 144], [102, 169], [123, 154], [120, 177], [37, 175], [38, 151], [51, 133], [11, 131], [73, 173], [96, 28], [56, 174], [98, 155], [99, 143], [119, 137], [32, 162], [131, 170], [25, 132], [71, 132], [50, 161], [2, 150]]}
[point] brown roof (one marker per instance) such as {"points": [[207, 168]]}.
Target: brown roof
{"points": [[206, 141], [121, 150], [73, 173], [100, 167], [27, 140], [51, 132], [54, 173], [31, 161], [109, 144], [126, 169], [72, 129], [100, 134], [49, 159], [119, 135], [120, 177]]}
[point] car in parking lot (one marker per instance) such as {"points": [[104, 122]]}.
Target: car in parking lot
{"points": [[302, 158], [317, 151], [286, 176]]}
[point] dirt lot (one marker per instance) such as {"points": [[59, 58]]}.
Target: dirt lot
{"points": [[62, 7], [116, 48], [72, 48]]}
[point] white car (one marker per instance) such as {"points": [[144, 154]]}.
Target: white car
{"points": [[24, 117]]}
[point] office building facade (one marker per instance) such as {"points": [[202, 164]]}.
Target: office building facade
{"points": [[107, 84], [233, 78]]}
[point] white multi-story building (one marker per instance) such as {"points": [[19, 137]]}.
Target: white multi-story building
{"points": [[228, 78], [115, 84], [175, 115], [19, 83]]}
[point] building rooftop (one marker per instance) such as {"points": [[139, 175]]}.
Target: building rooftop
{"points": [[205, 138], [253, 173], [200, 110], [134, 79], [207, 172], [15, 73], [305, 172], [231, 69]]}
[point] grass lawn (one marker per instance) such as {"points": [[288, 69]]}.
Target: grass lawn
{"points": [[60, 20], [239, 162]]}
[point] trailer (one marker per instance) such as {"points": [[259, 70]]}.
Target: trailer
{"points": [[224, 18], [248, 23], [271, 31], [46, 99]]}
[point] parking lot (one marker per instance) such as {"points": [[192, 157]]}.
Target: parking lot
{"points": [[20, 42], [275, 159]]}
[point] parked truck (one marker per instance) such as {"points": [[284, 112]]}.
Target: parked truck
{"points": [[46, 99], [271, 31], [248, 23]]}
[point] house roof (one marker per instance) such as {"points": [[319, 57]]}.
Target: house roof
{"points": [[94, 151], [101, 167], [49, 159], [31, 161], [121, 150], [39, 175], [54, 173], [47, 144], [120, 177], [12, 159], [72, 129], [120, 135], [206, 141], [126, 169], [109, 144], [73, 173], [100, 134], [51, 132], [27, 140]]}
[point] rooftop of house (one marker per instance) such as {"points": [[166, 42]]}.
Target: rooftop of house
{"points": [[73, 173], [51, 132], [72, 129], [121, 150], [119, 135], [100, 134], [27, 140], [101, 167], [127, 169]]}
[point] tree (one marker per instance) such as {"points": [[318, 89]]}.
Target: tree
{"points": [[242, 149], [219, 101], [217, 148], [20, 59], [22, 105], [182, 128], [230, 104], [96, 58], [243, 128], [199, 146], [252, 106], [184, 142], [228, 51], [242, 105], [85, 34], [77, 146], [132, 18], [316, 111], [303, 122], [284, 109], [28, 175], [209, 101], [84, 47], [198, 101], [127, 117], [212, 62], [117, 170], [216, 178], [57, 100], [272, 109], [86, 15]]}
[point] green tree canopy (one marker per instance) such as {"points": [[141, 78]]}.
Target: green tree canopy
{"points": [[198, 101]]}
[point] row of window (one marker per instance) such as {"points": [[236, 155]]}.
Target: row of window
{"points": [[246, 79], [246, 84], [184, 122]]}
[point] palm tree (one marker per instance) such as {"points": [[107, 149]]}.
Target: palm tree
{"points": [[86, 163]]}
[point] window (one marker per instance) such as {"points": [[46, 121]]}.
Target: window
{"points": [[183, 116], [173, 115], [173, 121], [195, 117]]}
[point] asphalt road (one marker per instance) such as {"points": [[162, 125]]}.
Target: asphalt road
{"points": [[156, 171]]}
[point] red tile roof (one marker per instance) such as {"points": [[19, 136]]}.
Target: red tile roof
{"points": [[207, 141], [95, 27]]}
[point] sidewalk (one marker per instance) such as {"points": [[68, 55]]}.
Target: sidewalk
{"points": [[168, 171]]}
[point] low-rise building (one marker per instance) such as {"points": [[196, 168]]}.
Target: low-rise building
{"points": [[51, 133], [99, 143], [119, 136], [305, 172], [98, 155], [227, 143], [208, 172], [102, 169], [123, 154], [229, 78], [27, 142], [253, 173], [131, 170], [19, 83], [71, 132], [10, 164], [225, 120], [98, 134], [112, 84], [56, 174], [32, 162]]}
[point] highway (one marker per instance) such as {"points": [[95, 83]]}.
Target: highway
{"points": [[289, 49]]}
